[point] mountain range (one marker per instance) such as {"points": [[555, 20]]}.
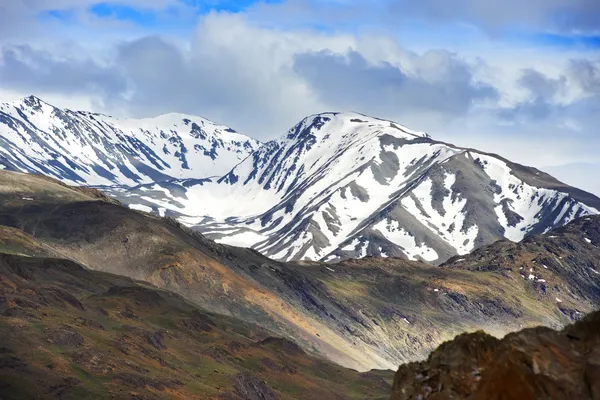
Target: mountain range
{"points": [[119, 302], [362, 314], [336, 186], [385, 243]]}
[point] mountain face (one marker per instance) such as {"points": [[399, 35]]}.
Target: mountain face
{"points": [[362, 314], [340, 186], [93, 149]]}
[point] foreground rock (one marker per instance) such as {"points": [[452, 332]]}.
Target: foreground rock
{"points": [[537, 363]]}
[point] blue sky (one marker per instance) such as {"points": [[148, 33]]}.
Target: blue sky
{"points": [[505, 77], [160, 18], [152, 17]]}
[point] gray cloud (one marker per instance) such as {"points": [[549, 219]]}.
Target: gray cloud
{"points": [[541, 102], [540, 86], [350, 82], [565, 16], [586, 74], [559, 15], [36, 71]]}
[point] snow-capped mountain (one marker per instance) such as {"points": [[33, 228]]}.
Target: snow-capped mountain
{"points": [[93, 149], [346, 185]]}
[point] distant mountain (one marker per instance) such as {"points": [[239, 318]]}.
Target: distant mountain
{"points": [[85, 148], [340, 186], [336, 186]]}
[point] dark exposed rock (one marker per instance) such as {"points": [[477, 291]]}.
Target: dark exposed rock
{"points": [[93, 361], [200, 323], [235, 346], [57, 391], [12, 363], [156, 339], [16, 312], [65, 337], [89, 323], [284, 344], [128, 313], [249, 387]]}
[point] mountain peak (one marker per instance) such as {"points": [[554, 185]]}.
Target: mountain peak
{"points": [[344, 124], [33, 98], [34, 102]]}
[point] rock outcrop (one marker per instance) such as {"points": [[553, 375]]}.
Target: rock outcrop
{"points": [[537, 363]]}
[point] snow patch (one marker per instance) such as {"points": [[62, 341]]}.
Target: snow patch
{"points": [[394, 233], [141, 207]]}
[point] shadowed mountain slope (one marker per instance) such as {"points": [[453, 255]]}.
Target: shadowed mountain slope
{"points": [[363, 314], [71, 333]]}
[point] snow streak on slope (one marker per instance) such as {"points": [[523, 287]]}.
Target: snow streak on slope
{"points": [[396, 234], [444, 221], [93, 149], [346, 185], [519, 205]]}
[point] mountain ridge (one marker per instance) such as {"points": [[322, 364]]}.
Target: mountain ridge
{"points": [[304, 190], [335, 186], [96, 149]]}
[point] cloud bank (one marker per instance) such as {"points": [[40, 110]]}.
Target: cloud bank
{"points": [[466, 71]]}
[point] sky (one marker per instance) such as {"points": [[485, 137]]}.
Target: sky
{"points": [[516, 78]]}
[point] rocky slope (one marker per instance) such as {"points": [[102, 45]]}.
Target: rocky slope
{"points": [[340, 186], [363, 314], [533, 364], [93, 149], [71, 333]]}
